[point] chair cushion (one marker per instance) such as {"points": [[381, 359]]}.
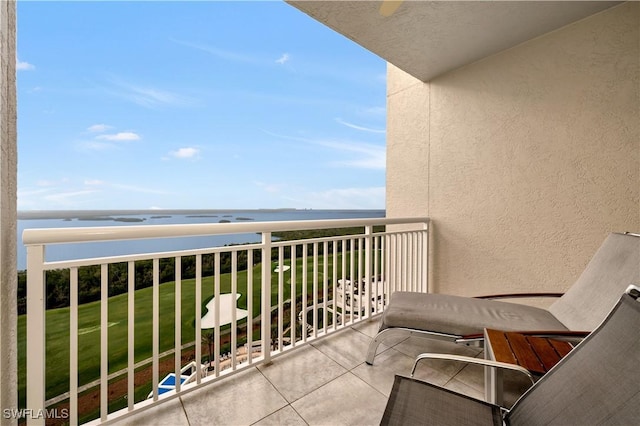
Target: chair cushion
{"points": [[459, 315]]}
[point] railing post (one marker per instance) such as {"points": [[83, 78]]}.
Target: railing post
{"points": [[73, 346], [36, 350], [368, 252], [392, 270], [266, 296], [198, 309], [104, 341], [177, 364], [131, 308], [425, 257]]}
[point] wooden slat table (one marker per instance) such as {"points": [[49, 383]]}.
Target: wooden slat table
{"points": [[536, 354]]}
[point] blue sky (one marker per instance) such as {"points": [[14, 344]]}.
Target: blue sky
{"points": [[191, 105]]}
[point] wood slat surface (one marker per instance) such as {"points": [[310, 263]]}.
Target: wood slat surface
{"points": [[500, 346], [545, 352], [563, 348], [524, 353], [536, 354]]}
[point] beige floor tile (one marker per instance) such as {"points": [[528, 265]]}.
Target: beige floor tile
{"points": [[463, 388], [472, 376], [286, 416], [244, 398], [514, 383], [346, 400], [301, 371], [369, 328], [348, 347], [381, 374], [169, 413]]}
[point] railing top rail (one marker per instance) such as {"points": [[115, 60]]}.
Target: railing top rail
{"points": [[112, 233]]}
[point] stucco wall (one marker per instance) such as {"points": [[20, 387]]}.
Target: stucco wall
{"points": [[8, 222], [524, 160]]}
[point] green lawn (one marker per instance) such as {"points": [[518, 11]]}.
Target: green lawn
{"points": [[57, 325]]}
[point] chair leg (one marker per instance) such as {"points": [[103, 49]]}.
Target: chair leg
{"points": [[493, 385], [403, 333], [382, 335], [373, 347]]}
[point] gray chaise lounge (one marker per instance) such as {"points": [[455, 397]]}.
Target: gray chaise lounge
{"points": [[615, 265], [596, 383]]}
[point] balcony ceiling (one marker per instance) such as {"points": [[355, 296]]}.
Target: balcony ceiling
{"points": [[428, 38]]}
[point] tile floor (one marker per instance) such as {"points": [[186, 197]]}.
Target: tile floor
{"points": [[324, 383]]}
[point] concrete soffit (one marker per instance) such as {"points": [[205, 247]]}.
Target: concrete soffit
{"points": [[429, 38]]}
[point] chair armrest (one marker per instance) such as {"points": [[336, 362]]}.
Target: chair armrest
{"points": [[470, 360], [569, 334], [518, 295]]}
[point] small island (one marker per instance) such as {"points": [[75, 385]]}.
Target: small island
{"points": [[115, 219]]}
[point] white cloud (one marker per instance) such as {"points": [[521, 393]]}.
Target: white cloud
{"points": [[220, 53], [95, 145], [364, 129], [369, 156], [139, 189], [187, 152], [148, 97], [74, 194], [65, 198], [63, 192], [271, 188], [377, 112], [120, 136], [283, 59], [69, 194], [98, 128], [24, 66], [44, 182], [342, 198], [23, 193]]}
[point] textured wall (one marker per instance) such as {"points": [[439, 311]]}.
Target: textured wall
{"points": [[524, 160], [408, 149], [8, 218]]}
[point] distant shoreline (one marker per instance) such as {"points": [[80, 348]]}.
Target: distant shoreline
{"points": [[92, 214], [46, 219]]}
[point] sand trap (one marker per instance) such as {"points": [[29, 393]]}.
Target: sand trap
{"points": [[227, 304], [284, 268]]}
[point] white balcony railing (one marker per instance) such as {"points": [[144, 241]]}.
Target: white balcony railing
{"points": [[264, 299]]}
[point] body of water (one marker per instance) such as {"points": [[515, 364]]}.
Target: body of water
{"points": [[69, 219]]}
